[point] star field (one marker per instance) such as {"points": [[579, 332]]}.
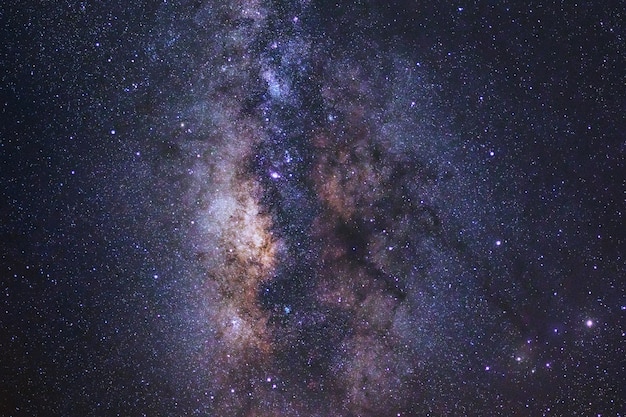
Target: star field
{"points": [[310, 208]]}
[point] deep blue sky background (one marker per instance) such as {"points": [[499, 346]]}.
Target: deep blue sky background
{"points": [[95, 266]]}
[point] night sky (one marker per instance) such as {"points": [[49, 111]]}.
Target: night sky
{"points": [[312, 208]]}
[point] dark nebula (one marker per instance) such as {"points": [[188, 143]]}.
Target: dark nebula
{"points": [[310, 208]]}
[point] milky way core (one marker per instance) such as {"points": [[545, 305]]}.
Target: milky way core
{"points": [[334, 284]]}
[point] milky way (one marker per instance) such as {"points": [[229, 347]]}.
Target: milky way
{"points": [[336, 281], [309, 208]]}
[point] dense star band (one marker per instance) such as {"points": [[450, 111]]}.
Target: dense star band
{"points": [[324, 234]]}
